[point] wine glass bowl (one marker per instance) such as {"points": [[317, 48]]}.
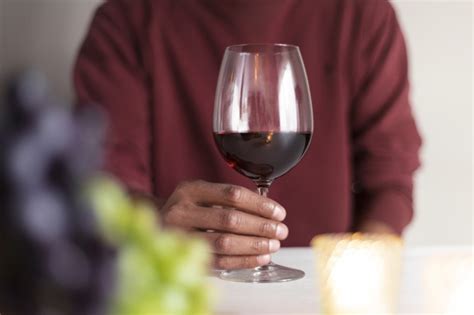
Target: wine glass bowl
{"points": [[264, 155], [262, 124]]}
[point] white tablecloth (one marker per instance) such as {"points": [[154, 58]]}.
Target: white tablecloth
{"points": [[434, 280]]}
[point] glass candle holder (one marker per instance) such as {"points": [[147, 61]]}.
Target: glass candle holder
{"points": [[358, 273]]}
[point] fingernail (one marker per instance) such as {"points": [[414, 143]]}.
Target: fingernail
{"points": [[279, 213], [263, 259], [274, 245], [281, 231]]}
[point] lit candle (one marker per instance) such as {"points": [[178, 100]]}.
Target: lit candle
{"points": [[358, 273]]}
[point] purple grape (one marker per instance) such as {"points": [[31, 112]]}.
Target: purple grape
{"points": [[26, 95], [43, 216], [25, 162], [56, 130], [86, 149], [53, 259]]}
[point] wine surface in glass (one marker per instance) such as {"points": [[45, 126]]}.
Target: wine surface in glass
{"points": [[262, 156]]}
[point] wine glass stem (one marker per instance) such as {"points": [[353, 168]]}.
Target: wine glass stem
{"points": [[262, 191]]}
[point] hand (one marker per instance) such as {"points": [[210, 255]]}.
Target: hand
{"points": [[246, 227]]}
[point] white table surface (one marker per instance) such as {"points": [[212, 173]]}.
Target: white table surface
{"points": [[429, 277]]}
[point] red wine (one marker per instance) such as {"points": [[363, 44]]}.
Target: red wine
{"points": [[262, 156]]}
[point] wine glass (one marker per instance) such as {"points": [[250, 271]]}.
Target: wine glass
{"points": [[263, 124]]}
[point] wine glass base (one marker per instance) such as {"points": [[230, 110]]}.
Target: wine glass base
{"points": [[264, 274]]}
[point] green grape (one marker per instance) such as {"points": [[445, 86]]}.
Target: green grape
{"points": [[160, 271], [113, 208], [174, 256], [138, 274], [144, 223], [174, 299], [192, 263], [149, 303], [137, 278], [199, 298]]}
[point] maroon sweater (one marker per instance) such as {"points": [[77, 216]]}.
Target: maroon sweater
{"points": [[153, 66]]}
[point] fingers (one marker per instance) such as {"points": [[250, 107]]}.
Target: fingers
{"points": [[231, 244], [240, 262], [234, 197], [227, 220]]}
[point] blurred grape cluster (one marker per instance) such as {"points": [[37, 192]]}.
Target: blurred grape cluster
{"points": [[53, 259], [160, 272], [65, 249]]}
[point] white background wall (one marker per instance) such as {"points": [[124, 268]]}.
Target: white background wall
{"points": [[439, 37], [46, 33]]}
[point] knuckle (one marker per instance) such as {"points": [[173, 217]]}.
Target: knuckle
{"points": [[173, 208], [223, 243], [230, 219], [267, 228], [176, 212], [233, 193], [178, 207], [265, 206], [172, 213], [220, 263], [199, 182], [186, 206], [260, 246], [183, 186], [248, 262]]}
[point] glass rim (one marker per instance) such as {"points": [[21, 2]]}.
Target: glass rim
{"points": [[283, 48]]}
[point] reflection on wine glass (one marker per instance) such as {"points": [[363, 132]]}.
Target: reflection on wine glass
{"points": [[263, 124]]}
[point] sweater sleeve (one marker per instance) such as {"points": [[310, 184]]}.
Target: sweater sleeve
{"points": [[109, 73], [385, 140]]}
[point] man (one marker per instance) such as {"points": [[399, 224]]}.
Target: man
{"points": [[153, 66]]}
